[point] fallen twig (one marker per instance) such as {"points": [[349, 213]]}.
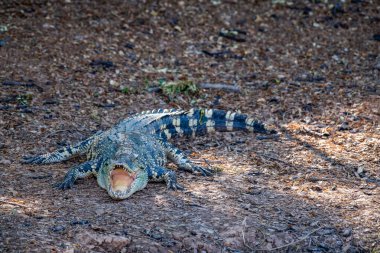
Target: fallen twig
{"points": [[268, 137], [244, 223], [314, 133], [24, 84], [221, 86], [102, 63], [276, 159], [217, 54], [13, 203], [234, 34], [291, 243], [15, 83], [154, 89]]}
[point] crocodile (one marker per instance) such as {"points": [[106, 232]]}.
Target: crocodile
{"points": [[125, 157]]}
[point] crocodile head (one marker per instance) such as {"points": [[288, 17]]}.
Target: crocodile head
{"points": [[121, 181]]}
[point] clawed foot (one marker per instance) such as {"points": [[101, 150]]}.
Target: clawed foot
{"points": [[175, 186], [203, 171], [67, 182], [171, 182], [64, 185]]}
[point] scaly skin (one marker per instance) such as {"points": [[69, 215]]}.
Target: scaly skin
{"points": [[135, 151]]}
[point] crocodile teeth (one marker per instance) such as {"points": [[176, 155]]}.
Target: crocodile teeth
{"points": [[121, 179]]}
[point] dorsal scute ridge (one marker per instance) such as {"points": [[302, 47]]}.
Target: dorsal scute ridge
{"points": [[157, 111]]}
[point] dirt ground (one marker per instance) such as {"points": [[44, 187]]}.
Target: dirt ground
{"points": [[310, 69]]}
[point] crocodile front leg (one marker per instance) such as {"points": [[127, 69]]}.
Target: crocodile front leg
{"points": [[81, 171], [63, 153], [158, 174], [179, 158]]}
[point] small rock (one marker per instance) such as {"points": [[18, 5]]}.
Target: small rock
{"points": [[316, 188], [178, 236], [99, 211], [246, 206], [79, 37], [3, 29], [102, 63], [5, 162], [326, 231], [111, 243], [344, 127], [377, 65], [347, 232], [168, 243], [129, 45], [376, 37], [314, 224], [79, 222], [58, 228], [309, 77], [360, 170], [337, 8], [323, 246], [153, 233], [113, 83], [48, 26], [261, 100], [335, 57]]}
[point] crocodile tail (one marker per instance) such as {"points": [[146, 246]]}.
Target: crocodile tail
{"points": [[197, 122]]}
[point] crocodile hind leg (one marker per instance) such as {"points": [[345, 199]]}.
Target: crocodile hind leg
{"points": [[80, 171], [179, 158], [61, 154], [158, 174]]}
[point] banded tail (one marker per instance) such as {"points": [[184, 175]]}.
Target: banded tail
{"points": [[196, 122]]}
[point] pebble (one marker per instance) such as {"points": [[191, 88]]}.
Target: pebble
{"points": [[79, 222], [112, 243], [100, 211], [335, 57], [178, 236], [347, 232], [309, 77], [5, 162], [345, 126], [58, 228], [377, 64], [261, 100], [113, 83], [326, 231], [102, 63], [314, 224], [3, 28]]}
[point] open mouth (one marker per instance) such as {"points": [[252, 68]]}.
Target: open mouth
{"points": [[121, 179]]}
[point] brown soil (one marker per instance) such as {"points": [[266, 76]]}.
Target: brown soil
{"points": [[70, 68]]}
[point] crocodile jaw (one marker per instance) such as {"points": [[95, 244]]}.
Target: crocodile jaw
{"points": [[122, 183], [121, 179]]}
